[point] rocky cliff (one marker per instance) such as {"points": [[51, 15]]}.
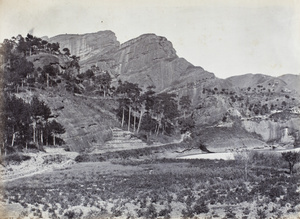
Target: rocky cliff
{"points": [[87, 45], [283, 132], [149, 60], [146, 60]]}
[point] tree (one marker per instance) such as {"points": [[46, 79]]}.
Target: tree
{"points": [[146, 101], [149, 124], [123, 106], [104, 81], [29, 39], [55, 47], [185, 103], [22, 46], [164, 110], [130, 93], [186, 124], [49, 72], [17, 119], [55, 129], [244, 158], [292, 158], [74, 63], [6, 50], [66, 51], [40, 114]]}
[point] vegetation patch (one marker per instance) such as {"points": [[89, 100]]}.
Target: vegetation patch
{"points": [[167, 188], [15, 158]]}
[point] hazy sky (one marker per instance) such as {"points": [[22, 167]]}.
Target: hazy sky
{"points": [[227, 38]]}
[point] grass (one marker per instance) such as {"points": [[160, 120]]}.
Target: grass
{"points": [[158, 188]]}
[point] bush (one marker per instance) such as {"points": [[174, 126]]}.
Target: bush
{"points": [[89, 158], [292, 158], [229, 213], [200, 208], [261, 214], [276, 192], [151, 212], [266, 159], [107, 135], [15, 158]]}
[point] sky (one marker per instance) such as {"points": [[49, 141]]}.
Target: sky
{"points": [[231, 37]]}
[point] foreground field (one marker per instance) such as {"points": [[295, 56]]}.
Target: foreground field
{"points": [[158, 188]]}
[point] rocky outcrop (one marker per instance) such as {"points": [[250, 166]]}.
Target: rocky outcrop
{"points": [[147, 60], [42, 59], [87, 45], [271, 131], [152, 60], [234, 144]]}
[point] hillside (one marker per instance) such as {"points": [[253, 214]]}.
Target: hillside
{"points": [[292, 81], [151, 60], [101, 84], [286, 83], [87, 120]]}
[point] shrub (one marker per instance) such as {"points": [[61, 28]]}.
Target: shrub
{"points": [[276, 192], [107, 135], [229, 213], [164, 213], [15, 158], [261, 214], [70, 214], [187, 213], [200, 208], [89, 158], [151, 212], [292, 158], [266, 159]]}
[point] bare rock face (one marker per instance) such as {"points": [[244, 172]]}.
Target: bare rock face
{"points": [[282, 132], [87, 45], [147, 60]]}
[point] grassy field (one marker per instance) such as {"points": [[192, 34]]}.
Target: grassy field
{"points": [[159, 188]]}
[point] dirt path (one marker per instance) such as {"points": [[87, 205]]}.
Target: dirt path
{"points": [[53, 158]]}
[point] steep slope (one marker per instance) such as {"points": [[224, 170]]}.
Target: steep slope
{"points": [[87, 121], [146, 60]]}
